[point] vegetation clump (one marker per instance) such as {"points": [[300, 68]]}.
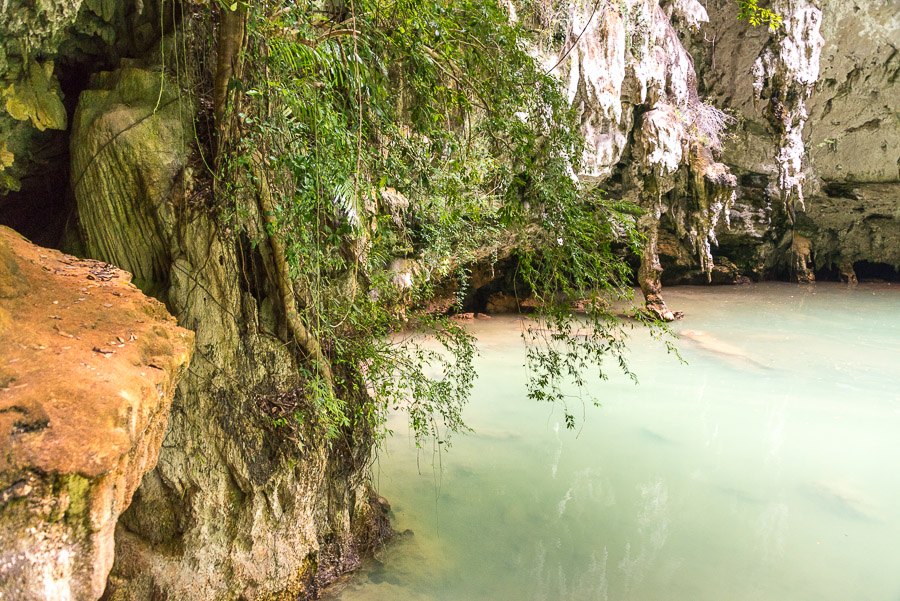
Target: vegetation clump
{"points": [[327, 116], [756, 16]]}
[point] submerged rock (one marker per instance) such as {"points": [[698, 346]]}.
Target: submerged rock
{"points": [[88, 369]]}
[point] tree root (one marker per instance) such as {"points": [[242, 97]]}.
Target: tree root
{"points": [[307, 341]]}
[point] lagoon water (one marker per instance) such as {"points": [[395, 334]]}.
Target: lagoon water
{"points": [[767, 469]]}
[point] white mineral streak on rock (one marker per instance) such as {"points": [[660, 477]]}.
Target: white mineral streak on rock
{"points": [[690, 11], [511, 9], [626, 54], [596, 72], [660, 141], [785, 74]]}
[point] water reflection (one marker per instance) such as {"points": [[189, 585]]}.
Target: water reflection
{"points": [[764, 470]]}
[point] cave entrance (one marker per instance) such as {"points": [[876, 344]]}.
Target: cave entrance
{"points": [[43, 209], [867, 271]]}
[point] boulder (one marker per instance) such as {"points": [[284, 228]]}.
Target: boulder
{"points": [[88, 368]]}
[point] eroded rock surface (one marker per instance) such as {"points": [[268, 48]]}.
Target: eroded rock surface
{"points": [[44, 44], [246, 502], [808, 176], [817, 103], [88, 369], [647, 131]]}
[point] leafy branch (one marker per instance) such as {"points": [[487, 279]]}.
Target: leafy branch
{"points": [[751, 12]]}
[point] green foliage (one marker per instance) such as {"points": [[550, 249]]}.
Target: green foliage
{"points": [[442, 102], [750, 10], [578, 270]]}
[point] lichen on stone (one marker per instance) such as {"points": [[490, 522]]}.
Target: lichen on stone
{"points": [[36, 96]]}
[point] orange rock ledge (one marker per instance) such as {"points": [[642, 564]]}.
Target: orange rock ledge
{"points": [[88, 369]]}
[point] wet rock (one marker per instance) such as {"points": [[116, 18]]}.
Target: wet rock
{"points": [[723, 272], [801, 250], [463, 316], [847, 272], [89, 369]]}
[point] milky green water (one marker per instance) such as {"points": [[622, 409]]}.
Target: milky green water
{"points": [[766, 469]]}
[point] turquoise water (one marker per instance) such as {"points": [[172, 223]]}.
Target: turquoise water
{"points": [[768, 468]]}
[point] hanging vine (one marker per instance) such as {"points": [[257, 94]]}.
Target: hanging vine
{"points": [[325, 115]]}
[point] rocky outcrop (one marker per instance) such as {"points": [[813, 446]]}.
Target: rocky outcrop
{"points": [[647, 131], [88, 370], [248, 500], [805, 179], [126, 153], [817, 122], [42, 44], [784, 75]]}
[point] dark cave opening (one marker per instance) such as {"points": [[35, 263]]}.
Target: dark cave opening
{"points": [[828, 274], [43, 210], [868, 271]]}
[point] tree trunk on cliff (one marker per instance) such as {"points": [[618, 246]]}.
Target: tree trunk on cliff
{"points": [[231, 41], [232, 26], [299, 331]]}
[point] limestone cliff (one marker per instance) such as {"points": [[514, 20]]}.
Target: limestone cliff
{"points": [[47, 49], [802, 173], [650, 138], [245, 502], [88, 369], [238, 506], [818, 113]]}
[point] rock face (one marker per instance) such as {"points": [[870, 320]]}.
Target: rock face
{"points": [[242, 504], [42, 43], [650, 138], [88, 370], [130, 178], [807, 177], [818, 136]]}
